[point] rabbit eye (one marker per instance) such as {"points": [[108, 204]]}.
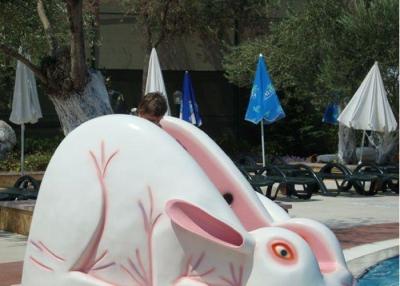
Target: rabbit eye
{"points": [[283, 251]]}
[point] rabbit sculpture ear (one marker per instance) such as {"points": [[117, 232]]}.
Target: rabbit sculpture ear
{"points": [[203, 224], [221, 171]]}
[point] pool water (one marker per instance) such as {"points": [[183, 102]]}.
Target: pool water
{"points": [[385, 273]]}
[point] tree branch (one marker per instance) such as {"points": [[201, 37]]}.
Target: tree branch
{"points": [[78, 62], [36, 70], [47, 27], [163, 22], [95, 25]]}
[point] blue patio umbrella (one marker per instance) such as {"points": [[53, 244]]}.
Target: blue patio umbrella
{"points": [[189, 109], [264, 106], [331, 113]]}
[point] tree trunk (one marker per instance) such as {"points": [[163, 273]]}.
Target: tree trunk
{"points": [[76, 108], [347, 145], [77, 48]]}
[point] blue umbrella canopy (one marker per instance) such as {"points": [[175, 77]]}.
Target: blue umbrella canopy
{"points": [[264, 103], [189, 109], [331, 113]]}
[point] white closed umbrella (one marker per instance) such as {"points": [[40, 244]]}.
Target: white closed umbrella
{"points": [[369, 108], [155, 81], [25, 106]]}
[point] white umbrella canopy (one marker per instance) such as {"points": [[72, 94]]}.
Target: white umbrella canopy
{"points": [[155, 81], [369, 108], [25, 106]]}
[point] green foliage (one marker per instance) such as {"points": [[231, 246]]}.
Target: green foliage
{"points": [[326, 48], [38, 152], [294, 50], [6, 84], [43, 144], [240, 61], [158, 18], [300, 135], [370, 33], [231, 145], [318, 54], [33, 162], [214, 21], [20, 25]]}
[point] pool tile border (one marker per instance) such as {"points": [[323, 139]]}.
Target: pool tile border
{"points": [[360, 258]]}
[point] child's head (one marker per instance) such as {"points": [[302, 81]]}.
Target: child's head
{"points": [[152, 107]]}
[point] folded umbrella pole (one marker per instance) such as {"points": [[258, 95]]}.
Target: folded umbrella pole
{"points": [[369, 108], [262, 144], [25, 106], [155, 81], [362, 147], [22, 148]]}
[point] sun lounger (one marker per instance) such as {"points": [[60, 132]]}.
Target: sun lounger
{"points": [[5, 197], [264, 177], [27, 182], [390, 178], [297, 180], [11, 194], [362, 179], [338, 173], [381, 178], [303, 176], [248, 164], [364, 182], [25, 188], [366, 179]]}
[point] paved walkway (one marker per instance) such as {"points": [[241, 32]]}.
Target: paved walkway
{"points": [[359, 235], [348, 210]]}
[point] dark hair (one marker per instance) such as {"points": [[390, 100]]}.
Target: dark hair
{"points": [[153, 103]]}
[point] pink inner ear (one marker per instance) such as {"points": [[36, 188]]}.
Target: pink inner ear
{"points": [[199, 222], [212, 160]]}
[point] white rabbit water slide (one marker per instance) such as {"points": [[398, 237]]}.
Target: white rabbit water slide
{"points": [[124, 202]]}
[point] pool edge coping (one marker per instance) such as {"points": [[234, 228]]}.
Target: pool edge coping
{"points": [[360, 258]]}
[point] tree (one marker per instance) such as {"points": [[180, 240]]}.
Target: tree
{"points": [[370, 33], [294, 48], [323, 51], [59, 58], [160, 20], [213, 22]]}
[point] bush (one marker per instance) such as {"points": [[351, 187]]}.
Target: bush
{"points": [[231, 145], [38, 153]]}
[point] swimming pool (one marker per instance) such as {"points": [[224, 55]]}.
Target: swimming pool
{"points": [[385, 273]]}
